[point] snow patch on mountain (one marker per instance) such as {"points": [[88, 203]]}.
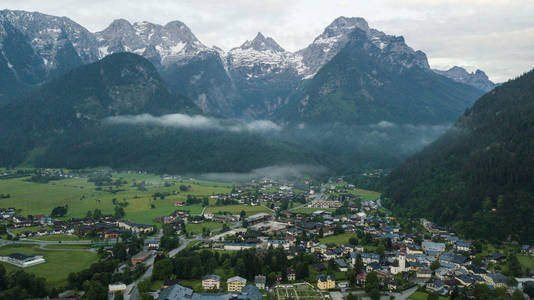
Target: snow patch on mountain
{"points": [[263, 56], [174, 42], [48, 33], [337, 34]]}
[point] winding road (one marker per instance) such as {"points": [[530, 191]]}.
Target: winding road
{"points": [[132, 292]]}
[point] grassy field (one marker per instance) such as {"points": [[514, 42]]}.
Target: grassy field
{"points": [[156, 285], [82, 196], [366, 194], [58, 264], [526, 261], [196, 285], [56, 237], [236, 209], [423, 296], [197, 228], [337, 239], [309, 210], [66, 247]]}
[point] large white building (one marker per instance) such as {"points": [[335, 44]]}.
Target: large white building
{"points": [[400, 266], [23, 260]]}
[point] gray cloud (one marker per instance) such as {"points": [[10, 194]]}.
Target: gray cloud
{"points": [[273, 172], [496, 36], [196, 121]]}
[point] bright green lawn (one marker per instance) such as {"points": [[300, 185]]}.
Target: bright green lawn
{"points": [[81, 196], [236, 209], [337, 239], [197, 228], [58, 264]]}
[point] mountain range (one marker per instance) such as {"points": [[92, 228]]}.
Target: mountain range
{"points": [[354, 93], [258, 79]]}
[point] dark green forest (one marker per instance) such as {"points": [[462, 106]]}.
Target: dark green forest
{"points": [[478, 178], [61, 126]]}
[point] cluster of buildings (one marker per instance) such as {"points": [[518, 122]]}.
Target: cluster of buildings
{"points": [[407, 254], [179, 292], [105, 228]]}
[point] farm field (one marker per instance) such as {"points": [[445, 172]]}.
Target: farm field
{"points": [[58, 264], [236, 209], [337, 239], [32, 198], [197, 228]]}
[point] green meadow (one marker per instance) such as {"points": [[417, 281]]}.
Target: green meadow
{"points": [[197, 228], [236, 209], [423, 296], [32, 198], [58, 263], [366, 194], [339, 239]]}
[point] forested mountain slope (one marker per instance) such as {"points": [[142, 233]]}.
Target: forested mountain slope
{"points": [[63, 124], [479, 176]]}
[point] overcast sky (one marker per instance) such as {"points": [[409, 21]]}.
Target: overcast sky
{"points": [[496, 36]]}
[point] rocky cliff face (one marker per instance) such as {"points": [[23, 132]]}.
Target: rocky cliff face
{"points": [[171, 44], [478, 79]]}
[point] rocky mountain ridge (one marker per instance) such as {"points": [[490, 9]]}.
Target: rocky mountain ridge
{"points": [[478, 79], [255, 80]]}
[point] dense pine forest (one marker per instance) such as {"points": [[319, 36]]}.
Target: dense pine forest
{"points": [[478, 177]]}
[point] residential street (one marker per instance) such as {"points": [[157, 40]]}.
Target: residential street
{"points": [[132, 293]]}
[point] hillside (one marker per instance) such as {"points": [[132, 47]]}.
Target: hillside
{"points": [[479, 176], [63, 124]]}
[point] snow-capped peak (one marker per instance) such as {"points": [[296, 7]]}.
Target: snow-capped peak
{"points": [[343, 26], [336, 35], [326, 45], [262, 43], [119, 25], [263, 56], [48, 33]]}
